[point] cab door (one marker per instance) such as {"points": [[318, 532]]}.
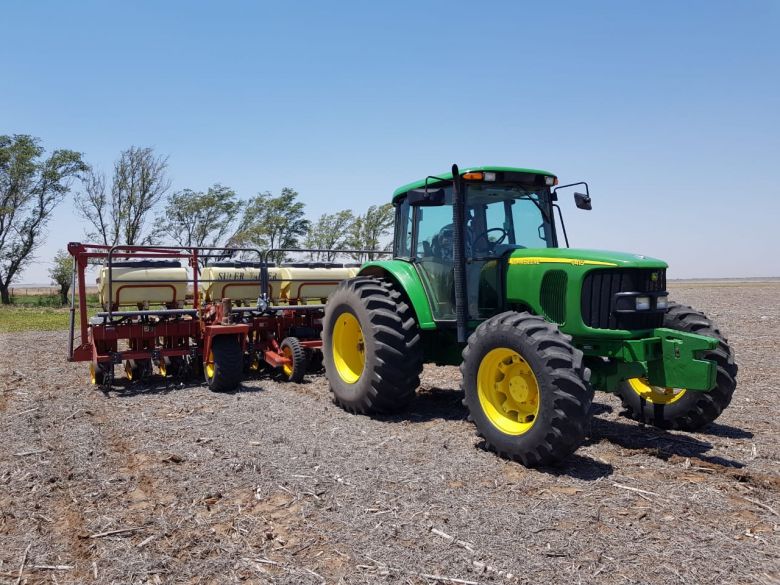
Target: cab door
{"points": [[433, 255]]}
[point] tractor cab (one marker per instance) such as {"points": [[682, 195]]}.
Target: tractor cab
{"points": [[505, 210]]}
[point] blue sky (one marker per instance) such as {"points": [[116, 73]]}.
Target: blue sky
{"points": [[670, 110]]}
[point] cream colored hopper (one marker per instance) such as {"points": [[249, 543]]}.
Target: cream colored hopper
{"points": [[152, 282], [314, 280], [237, 281]]}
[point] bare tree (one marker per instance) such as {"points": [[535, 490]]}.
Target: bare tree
{"points": [[138, 185], [30, 190], [93, 205]]}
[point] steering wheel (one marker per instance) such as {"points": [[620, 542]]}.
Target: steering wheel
{"points": [[491, 245]]}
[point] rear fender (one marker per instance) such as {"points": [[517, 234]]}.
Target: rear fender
{"points": [[404, 275]]}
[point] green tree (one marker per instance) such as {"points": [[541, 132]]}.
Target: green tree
{"points": [[272, 222], [31, 187], [119, 215], [61, 273], [195, 218], [370, 230], [330, 232]]}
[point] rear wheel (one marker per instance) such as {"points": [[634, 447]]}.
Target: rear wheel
{"points": [[371, 347], [526, 388], [292, 349], [678, 408], [224, 365]]}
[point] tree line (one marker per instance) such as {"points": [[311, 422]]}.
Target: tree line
{"points": [[134, 205]]}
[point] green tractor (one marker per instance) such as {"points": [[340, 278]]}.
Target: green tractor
{"points": [[478, 279]]}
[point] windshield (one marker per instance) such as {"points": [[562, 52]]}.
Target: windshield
{"points": [[502, 217]]}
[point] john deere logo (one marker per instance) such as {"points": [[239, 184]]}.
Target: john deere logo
{"points": [[654, 276]]}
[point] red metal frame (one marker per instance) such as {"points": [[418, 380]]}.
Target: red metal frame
{"points": [[169, 333]]}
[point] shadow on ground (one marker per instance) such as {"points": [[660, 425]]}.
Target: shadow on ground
{"points": [[725, 431], [658, 442], [156, 385], [433, 404]]}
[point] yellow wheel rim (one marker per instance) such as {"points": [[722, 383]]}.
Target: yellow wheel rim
{"points": [[92, 374], [129, 371], [655, 394], [349, 349], [255, 364], [508, 391], [163, 369], [287, 368], [209, 366]]}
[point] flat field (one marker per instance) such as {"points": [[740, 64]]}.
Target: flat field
{"points": [[164, 483]]}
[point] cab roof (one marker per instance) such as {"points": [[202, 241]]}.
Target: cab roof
{"points": [[448, 177]]}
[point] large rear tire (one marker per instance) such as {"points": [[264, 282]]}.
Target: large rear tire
{"points": [[677, 408], [526, 389], [223, 367], [371, 346]]}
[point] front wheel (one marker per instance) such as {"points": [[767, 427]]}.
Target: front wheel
{"points": [[526, 388], [224, 364], [678, 408]]}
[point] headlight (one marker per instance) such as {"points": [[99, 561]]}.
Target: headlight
{"points": [[662, 303], [642, 303]]}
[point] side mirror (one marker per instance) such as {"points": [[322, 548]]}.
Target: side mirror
{"points": [[582, 201], [426, 197]]}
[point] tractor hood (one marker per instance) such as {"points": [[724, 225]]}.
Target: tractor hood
{"points": [[577, 288], [582, 257]]}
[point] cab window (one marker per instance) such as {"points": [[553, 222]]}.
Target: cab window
{"points": [[403, 230]]}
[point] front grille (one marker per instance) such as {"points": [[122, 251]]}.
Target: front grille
{"points": [[598, 297], [552, 295]]}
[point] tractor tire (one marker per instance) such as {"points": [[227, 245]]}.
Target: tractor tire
{"points": [[679, 409], [224, 366], [292, 349], [526, 389], [371, 347]]}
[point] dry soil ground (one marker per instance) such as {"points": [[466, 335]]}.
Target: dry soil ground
{"points": [[171, 484]]}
